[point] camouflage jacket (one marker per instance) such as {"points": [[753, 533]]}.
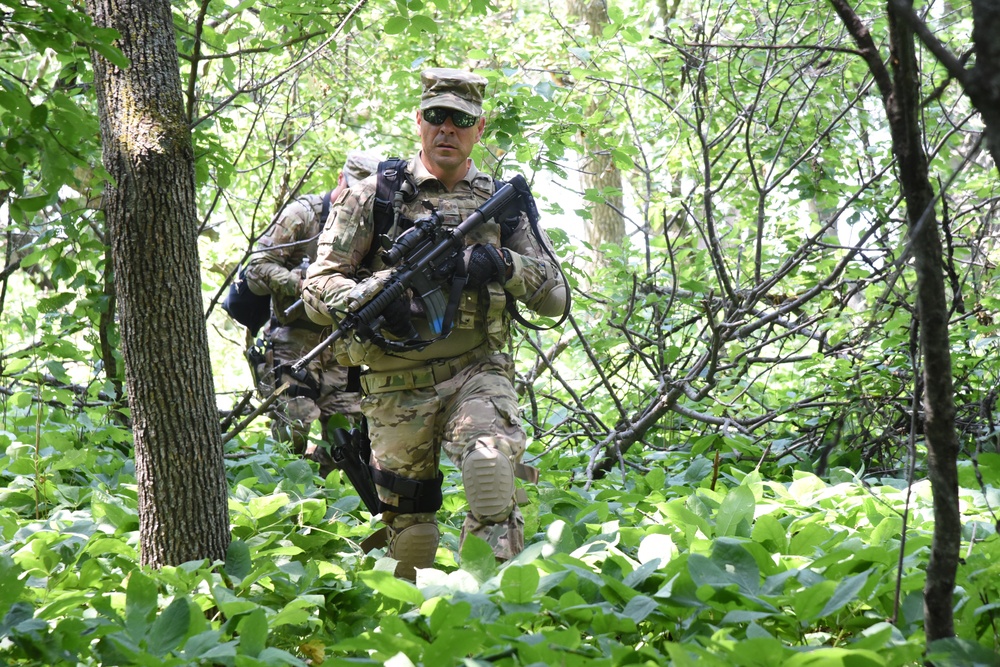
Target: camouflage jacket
{"points": [[278, 263], [343, 259]]}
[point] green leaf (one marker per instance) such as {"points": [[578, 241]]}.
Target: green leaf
{"points": [[420, 23], [478, 558], [699, 446], [449, 615], [201, 644], [238, 561], [297, 611], [16, 365], [835, 657], [736, 513], [169, 628], [809, 602], [70, 460], [519, 583], [11, 583], [846, 592], [640, 607], [253, 633], [958, 652], [581, 53], [396, 25], [768, 532], [264, 506], [730, 564], [140, 604], [744, 616], [31, 204], [656, 546], [231, 605], [655, 479], [622, 159], [39, 115], [113, 55], [388, 585], [22, 399], [739, 563]]}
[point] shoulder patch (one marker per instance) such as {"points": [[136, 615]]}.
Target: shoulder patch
{"points": [[482, 185]]}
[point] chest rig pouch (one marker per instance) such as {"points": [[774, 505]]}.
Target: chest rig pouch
{"points": [[396, 207]]}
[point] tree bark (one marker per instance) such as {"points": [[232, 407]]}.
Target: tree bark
{"points": [[901, 96], [981, 82], [903, 108], [597, 168], [152, 223]]}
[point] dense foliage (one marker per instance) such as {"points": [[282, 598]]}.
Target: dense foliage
{"points": [[729, 426], [666, 568]]}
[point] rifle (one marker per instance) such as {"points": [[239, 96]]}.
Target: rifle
{"points": [[418, 256]]}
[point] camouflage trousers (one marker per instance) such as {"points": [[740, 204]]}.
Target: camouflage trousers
{"points": [[323, 395], [410, 428]]}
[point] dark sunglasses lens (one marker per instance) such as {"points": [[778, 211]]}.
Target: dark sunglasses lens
{"points": [[438, 115], [462, 119], [435, 116]]}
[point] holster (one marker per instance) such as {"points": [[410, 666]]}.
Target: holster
{"points": [[351, 451]]}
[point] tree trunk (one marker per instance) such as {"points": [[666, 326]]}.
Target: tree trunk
{"points": [[901, 96], [903, 108], [152, 229], [597, 168], [983, 88]]}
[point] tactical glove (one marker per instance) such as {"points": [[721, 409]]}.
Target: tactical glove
{"points": [[397, 318], [485, 265]]}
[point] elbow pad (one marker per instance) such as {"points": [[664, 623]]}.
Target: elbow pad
{"points": [[554, 303]]}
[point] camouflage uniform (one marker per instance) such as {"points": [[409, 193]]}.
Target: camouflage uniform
{"points": [[277, 268], [454, 395]]}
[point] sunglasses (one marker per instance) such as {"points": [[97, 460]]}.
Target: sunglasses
{"points": [[438, 115]]}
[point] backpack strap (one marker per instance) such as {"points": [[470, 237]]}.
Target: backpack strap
{"points": [[528, 206], [392, 174], [325, 212], [509, 224]]}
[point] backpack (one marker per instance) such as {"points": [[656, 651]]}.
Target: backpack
{"points": [[254, 310], [249, 309]]}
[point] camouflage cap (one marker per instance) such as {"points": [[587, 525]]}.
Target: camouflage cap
{"points": [[358, 167], [453, 89]]}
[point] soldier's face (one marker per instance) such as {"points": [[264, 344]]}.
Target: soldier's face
{"points": [[447, 147]]}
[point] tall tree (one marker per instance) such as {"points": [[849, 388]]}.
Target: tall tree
{"points": [[900, 91], [981, 81], [152, 229], [599, 175]]}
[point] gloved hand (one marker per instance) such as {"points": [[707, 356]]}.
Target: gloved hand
{"points": [[397, 318], [485, 264]]}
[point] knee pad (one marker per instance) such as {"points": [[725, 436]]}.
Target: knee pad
{"points": [[488, 476], [300, 410], [414, 546]]}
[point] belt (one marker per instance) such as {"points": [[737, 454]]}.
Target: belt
{"points": [[424, 376]]}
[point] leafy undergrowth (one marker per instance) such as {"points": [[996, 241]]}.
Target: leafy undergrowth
{"points": [[657, 570]]}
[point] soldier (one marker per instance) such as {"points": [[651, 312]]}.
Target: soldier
{"points": [[457, 393], [278, 267]]}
